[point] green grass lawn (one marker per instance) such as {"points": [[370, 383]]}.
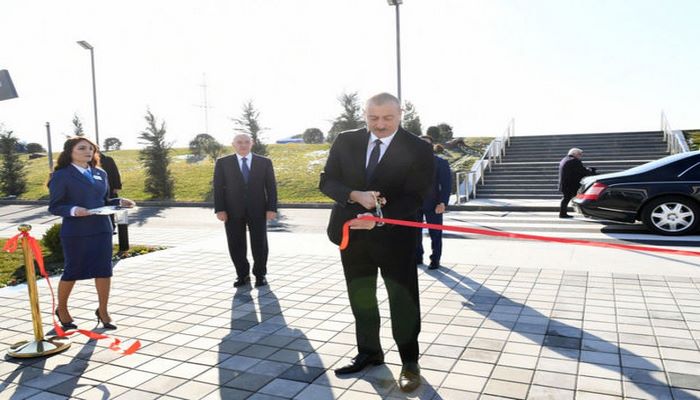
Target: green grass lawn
{"points": [[297, 168]]}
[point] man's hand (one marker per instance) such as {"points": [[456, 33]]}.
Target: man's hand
{"points": [[440, 208], [270, 215], [222, 216], [367, 199], [367, 225], [81, 212]]}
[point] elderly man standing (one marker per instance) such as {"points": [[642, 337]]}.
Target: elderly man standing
{"points": [[387, 165], [571, 171], [245, 195]]}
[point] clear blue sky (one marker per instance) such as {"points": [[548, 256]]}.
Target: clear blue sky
{"points": [[556, 66]]}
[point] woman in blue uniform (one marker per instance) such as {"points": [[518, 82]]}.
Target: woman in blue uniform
{"points": [[76, 186]]}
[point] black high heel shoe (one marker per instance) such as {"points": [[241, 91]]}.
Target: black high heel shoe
{"points": [[105, 325], [66, 325]]}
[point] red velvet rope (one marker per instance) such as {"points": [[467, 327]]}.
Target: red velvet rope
{"points": [[489, 232], [11, 247]]}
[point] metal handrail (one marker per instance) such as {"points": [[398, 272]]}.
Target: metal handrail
{"points": [[675, 139], [493, 154]]}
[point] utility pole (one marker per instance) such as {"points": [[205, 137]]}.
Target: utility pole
{"points": [[205, 104]]}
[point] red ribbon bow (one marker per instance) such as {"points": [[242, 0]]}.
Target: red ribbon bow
{"points": [[11, 247]]}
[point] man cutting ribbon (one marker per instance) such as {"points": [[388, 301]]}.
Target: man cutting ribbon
{"points": [[388, 166]]}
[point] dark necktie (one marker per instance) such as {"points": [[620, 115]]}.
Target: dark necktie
{"points": [[373, 160], [245, 170], [89, 176]]}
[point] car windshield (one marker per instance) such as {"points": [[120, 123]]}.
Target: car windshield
{"points": [[660, 163]]}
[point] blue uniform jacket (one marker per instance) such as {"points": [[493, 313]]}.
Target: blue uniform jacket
{"points": [[442, 186], [69, 188]]}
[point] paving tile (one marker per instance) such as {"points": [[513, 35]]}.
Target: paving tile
{"points": [[686, 381], [554, 379], [549, 393], [193, 390], [644, 391], [599, 385], [283, 387], [506, 389], [468, 383]]}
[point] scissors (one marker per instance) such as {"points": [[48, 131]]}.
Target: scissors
{"points": [[378, 209]]}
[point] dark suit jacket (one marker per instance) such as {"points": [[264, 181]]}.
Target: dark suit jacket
{"points": [[403, 176], [110, 167], [232, 195], [571, 171], [69, 188], [442, 186]]}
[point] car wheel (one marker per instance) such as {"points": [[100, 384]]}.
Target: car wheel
{"points": [[671, 216]]}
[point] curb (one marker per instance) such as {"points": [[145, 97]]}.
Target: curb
{"points": [[155, 203]]}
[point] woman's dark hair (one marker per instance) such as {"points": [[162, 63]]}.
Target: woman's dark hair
{"points": [[64, 159]]}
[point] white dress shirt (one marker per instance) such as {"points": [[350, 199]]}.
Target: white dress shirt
{"points": [[248, 160], [382, 148]]}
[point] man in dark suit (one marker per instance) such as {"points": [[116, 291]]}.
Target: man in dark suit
{"points": [[387, 164], [433, 208], [571, 171], [245, 195], [114, 179], [113, 176]]}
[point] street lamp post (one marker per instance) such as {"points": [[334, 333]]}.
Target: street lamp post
{"points": [[397, 3], [87, 46]]}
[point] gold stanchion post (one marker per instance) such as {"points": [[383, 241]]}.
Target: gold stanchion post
{"points": [[40, 346]]}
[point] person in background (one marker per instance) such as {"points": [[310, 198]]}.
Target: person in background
{"points": [[114, 178], [76, 186], [434, 207], [571, 171], [245, 195]]}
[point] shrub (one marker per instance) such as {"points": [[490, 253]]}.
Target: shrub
{"points": [[52, 241]]}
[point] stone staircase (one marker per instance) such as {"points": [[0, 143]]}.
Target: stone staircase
{"points": [[529, 169]]}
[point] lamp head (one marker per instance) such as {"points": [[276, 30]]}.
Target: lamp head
{"points": [[85, 45]]}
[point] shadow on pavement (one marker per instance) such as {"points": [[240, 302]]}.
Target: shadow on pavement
{"points": [[568, 341], [262, 354]]}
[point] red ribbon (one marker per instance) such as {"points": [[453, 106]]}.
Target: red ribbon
{"points": [[11, 247], [488, 232]]}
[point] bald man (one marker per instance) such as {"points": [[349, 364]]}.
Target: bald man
{"points": [[245, 196]]}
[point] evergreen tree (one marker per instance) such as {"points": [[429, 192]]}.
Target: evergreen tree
{"points": [[312, 135], [112, 143], [350, 118], [155, 158], [434, 132], [249, 123], [411, 120], [77, 126], [205, 145], [13, 181], [446, 133]]}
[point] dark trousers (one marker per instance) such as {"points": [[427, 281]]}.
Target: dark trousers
{"points": [[565, 202], [394, 257], [435, 237], [237, 248]]}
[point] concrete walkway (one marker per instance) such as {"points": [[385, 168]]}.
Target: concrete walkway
{"points": [[502, 319]]}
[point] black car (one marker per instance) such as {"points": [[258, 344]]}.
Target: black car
{"points": [[663, 194]]}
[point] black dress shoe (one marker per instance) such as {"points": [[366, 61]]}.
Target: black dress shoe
{"points": [[434, 265], [359, 363], [260, 281], [240, 281], [66, 325], [105, 325], [409, 379], [565, 216]]}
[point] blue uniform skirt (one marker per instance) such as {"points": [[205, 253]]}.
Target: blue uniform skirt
{"points": [[87, 257]]}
